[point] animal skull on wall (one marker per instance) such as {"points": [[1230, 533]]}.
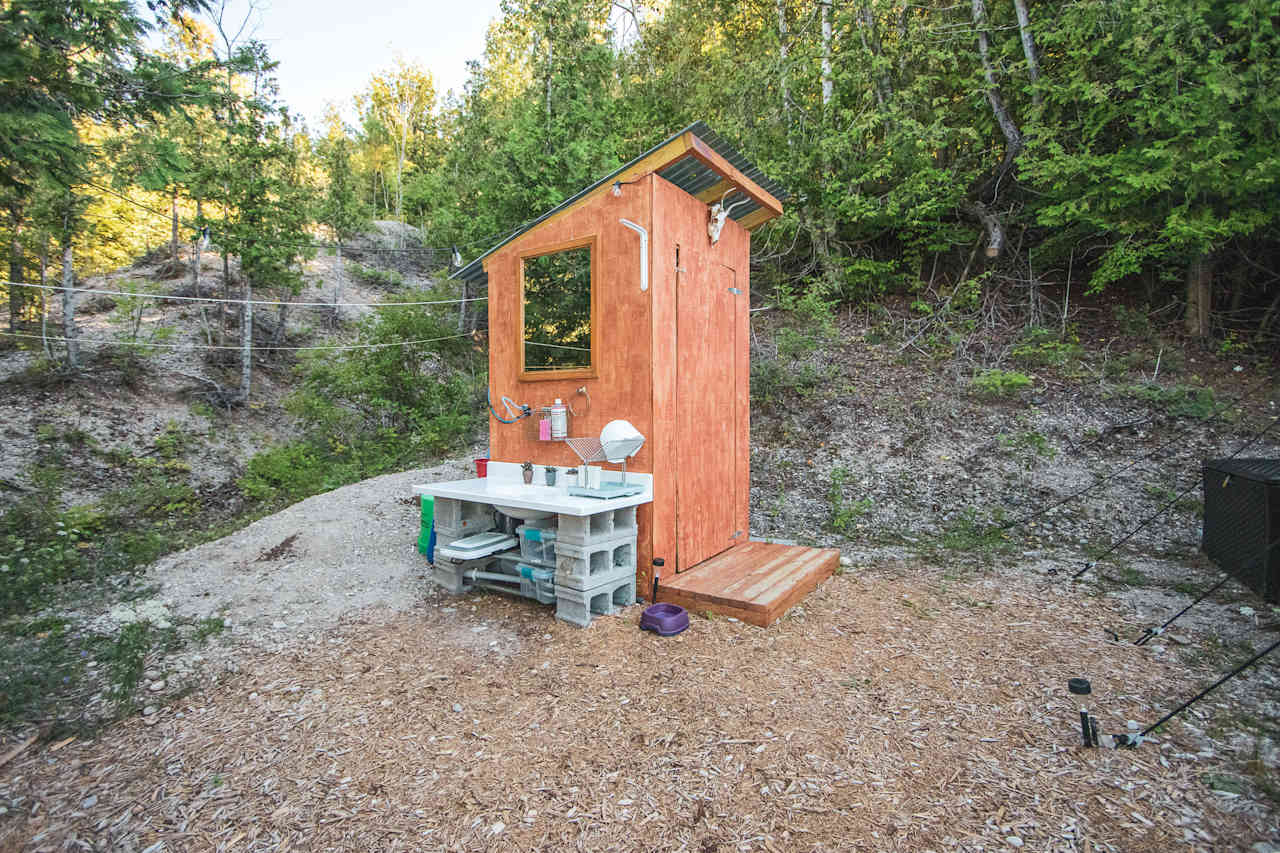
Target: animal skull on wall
{"points": [[718, 214]]}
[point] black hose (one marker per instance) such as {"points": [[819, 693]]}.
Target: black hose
{"points": [[1203, 693], [1152, 633]]}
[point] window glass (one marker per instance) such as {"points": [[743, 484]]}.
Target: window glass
{"points": [[557, 311]]}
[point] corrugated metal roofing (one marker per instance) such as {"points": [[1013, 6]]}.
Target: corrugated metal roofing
{"points": [[688, 173]]}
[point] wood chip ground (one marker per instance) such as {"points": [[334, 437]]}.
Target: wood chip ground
{"points": [[902, 711]]}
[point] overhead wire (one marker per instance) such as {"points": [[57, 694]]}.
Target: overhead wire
{"points": [[240, 347], [275, 302]]}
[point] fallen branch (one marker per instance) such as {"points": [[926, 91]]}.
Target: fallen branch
{"points": [[18, 750]]}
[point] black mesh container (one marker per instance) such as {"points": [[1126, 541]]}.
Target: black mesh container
{"points": [[1242, 521]]}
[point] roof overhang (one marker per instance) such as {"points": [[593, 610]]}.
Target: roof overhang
{"points": [[698, 161]]}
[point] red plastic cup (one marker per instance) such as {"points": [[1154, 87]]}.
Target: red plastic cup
{"points": [[482, 467]]}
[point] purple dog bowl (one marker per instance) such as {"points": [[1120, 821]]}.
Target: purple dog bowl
{"points": [[664, 620]]}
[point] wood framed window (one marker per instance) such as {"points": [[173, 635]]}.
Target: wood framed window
{"points": [[558, 324]]}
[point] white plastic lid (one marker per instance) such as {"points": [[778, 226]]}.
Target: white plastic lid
{"points": [[477, 545]]}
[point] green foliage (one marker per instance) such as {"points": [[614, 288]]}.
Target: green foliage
{"points": [[966, 533], [341, 207], [39, 543], [999, 383], [1043, 347], [210, 626], [1033, 441], [373, 410], [1157, 131], [843, 515], [126, 659], [44, 547], [1134, 322], [40, 665], [1181, 401], [375, 276], [773, 379], [132, 304]]}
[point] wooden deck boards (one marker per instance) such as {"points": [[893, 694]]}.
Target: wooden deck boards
{"points": [[756, 582]]}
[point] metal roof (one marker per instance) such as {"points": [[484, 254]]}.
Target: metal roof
{"points": [[688, 173]]}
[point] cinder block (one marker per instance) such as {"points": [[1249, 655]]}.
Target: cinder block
{"points": [[602, 527], [577, 606], [462, 517], [587, 566], [451, 574]]}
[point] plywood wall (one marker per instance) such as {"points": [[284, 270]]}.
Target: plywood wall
{"points": [[636, 350], [680, 221], [622, 386]]}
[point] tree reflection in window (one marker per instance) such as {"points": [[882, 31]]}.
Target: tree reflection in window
{"points": [[557, 310]]}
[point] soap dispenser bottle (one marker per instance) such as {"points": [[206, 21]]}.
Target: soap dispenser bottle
{"points": [[559, 420]]}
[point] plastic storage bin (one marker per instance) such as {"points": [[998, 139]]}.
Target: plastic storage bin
{"points": [[537, 583], [537, 544]]}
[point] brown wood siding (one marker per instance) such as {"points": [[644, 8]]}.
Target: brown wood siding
{"points": [[636, 352], [622, 318], [681, 220]]}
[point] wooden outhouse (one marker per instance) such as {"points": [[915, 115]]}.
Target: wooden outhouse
{"points": [[630, 300]]}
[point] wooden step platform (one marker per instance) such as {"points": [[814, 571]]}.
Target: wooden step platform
{"points": [[756, 581]]}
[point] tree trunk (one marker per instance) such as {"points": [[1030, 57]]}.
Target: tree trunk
{"points": [[462, 308], [281, 316], [869, 34], [404, 143], [1013, 137], [17, 295], [783, 48], [44, 299], [1029, 49], [995, 232], [246, 343], [828, 84], [1199, 296], [69, 303], [1269, 318], [173, 238], [825, 225], [337, 287], [226, 294]]}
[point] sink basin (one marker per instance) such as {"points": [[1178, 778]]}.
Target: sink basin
{"points": [[523, 514], [524, 494]]}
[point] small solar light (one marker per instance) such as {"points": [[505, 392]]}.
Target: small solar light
{"points": [[1080, 694]]}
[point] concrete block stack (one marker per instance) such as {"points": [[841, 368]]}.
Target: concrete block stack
{"points": [[595, 565]]}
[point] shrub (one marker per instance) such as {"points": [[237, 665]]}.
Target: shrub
{"points": [[1041, 346], [374, 277], [1000, 383], [1182, 401], [844, 516], [368, 411]]}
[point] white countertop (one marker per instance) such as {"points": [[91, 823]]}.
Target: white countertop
{"points": [[505, 486]]}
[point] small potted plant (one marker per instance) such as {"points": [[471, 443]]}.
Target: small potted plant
{"points": [[527, 469]]}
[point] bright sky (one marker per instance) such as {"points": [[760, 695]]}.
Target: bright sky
{"points": [[328, 49]]}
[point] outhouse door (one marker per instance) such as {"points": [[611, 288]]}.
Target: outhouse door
{"points": [[706, 408]]}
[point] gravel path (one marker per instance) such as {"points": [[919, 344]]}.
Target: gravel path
{"points": [[307, 566]]}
